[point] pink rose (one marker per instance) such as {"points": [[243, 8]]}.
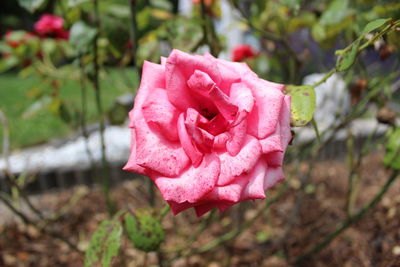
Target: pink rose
{"points": [[51, 26], [208, 132], [243, 51]]}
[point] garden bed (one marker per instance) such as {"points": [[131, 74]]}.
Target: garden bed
{"points": [[374, 241]]}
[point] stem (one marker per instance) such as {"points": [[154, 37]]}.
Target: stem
{"points": [[350, 221], [325, 78], [105, 173], [85, 133], [235, 233], [133, 31], [164, 212], [9, 176], [209, 32]]}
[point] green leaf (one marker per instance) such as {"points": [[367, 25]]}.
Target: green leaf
{"points": [[348, 56], [8, 63], [392, 156], [104, 244], [336, 11], [303, 104], [373, 25], [144, 230], [32, 5], [82, 36], [75, 3]]}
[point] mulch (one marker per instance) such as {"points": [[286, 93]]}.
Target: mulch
{"points": [[285, 231]]}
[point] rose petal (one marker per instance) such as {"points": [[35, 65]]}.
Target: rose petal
{"points": [[284, 122], [187, 144], [152, 77], [265, 114], [255, 186], [158, 110], [215, 126], [243, 162], [228, 75], [274, 176], [221, 101], [272, 143], [131, 165], [179, 67], [163, 61], [230, 192], [220, 140], [179, 207], [192, 184], [275, 158], [242, 97], [155, 152], [238, 135], [204, 208]]}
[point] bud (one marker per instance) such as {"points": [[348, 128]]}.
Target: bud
{"points": [[144, 230]]}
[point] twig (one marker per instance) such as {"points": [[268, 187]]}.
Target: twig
{"points": [[96, 82], [350, 221], [133, 31], [85, 133], [9, 176], [235, 233], [209, 32], [43, 230]]}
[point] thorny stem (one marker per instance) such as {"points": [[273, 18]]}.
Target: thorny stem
{"points": [[105, 173], [350, 221]]}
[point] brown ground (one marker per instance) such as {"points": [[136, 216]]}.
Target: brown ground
{"points": [[275, 239]]}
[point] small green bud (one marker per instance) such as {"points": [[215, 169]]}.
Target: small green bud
{"points": [[144, 230]]}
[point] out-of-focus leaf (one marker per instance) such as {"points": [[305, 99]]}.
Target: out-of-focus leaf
{"points": [[104, 244], [82, 36], [348, 57], [75, 3], [32, 5], [8, 63], [303, 104], [185, 34], [392, 156], [40, 104], [49, 46], [373, 25], [119, 11], [293, 5], [148, 50], [336, 11], [162, 4]]}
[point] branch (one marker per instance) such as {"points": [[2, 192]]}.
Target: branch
{"points": [[350, 221]]}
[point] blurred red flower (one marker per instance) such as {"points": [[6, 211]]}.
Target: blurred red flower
{"points": [[51, 26], [242, 52]]}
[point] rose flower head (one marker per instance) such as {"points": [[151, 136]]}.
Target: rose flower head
{"points": [[208, 132], [51, 26], [242, 52]]}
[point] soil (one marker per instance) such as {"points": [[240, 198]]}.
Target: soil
{"points": [[291, 226]]}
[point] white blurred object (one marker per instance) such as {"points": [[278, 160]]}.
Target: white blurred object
{"points": [[333, 99], [72, 155]]}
